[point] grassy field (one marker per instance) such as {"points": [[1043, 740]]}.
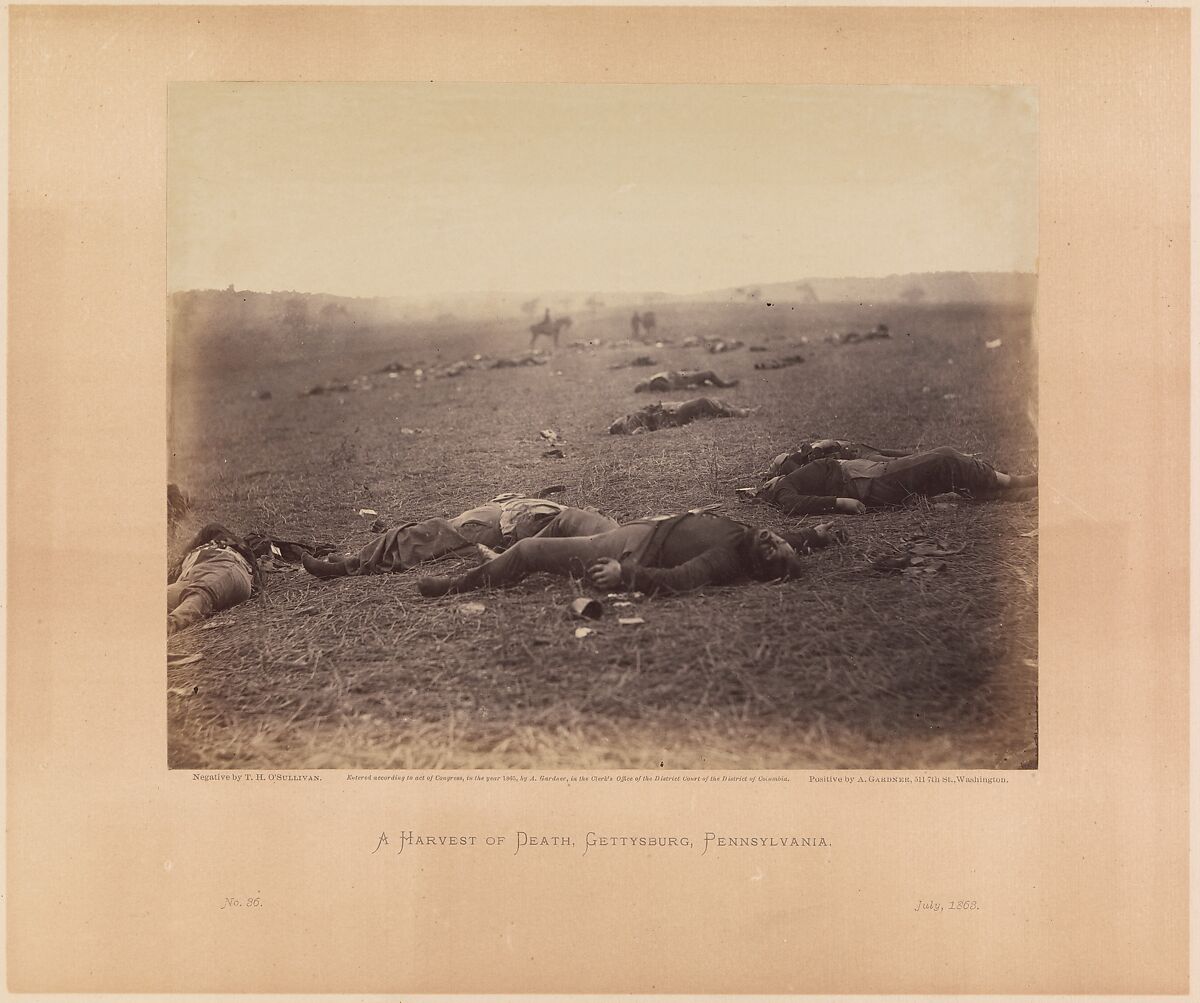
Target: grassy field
{"points": [[845, 668]]}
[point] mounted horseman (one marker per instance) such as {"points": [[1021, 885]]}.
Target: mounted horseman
{"points": [[547, 328]]}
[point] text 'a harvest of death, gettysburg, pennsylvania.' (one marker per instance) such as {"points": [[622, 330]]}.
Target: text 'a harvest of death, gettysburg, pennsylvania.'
{"points": [[409, 840]]}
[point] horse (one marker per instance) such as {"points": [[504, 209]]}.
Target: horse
{"points": [[548, 328]]}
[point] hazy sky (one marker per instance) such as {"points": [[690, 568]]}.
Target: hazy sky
{"points": [[395, 189]]}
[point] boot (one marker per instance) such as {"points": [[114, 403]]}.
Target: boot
{"points": [[335, 567], [432, 586]]}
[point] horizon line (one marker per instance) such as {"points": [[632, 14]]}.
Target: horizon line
{"points": [[587, 290]]}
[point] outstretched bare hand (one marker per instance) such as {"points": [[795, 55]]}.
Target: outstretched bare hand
{"points": [[605, 573], [830, 534]]}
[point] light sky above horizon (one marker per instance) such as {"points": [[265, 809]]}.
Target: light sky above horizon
{"points": [[388, 189]]}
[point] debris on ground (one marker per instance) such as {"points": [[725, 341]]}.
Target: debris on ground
{"points": [[513, 361], [630, 621], [584, 608], [948, 499], [787, 360], [183, 691], [719, 345], [993, 344], [273, 563], [472, 608], [854, 337], [261, 395], [1031, 535], [918, 557], [367, 511], [641, 360], [584, 631], [454, 369], [552, 437], [928, 546], [908, 564], [326, 388], [273, 548]]}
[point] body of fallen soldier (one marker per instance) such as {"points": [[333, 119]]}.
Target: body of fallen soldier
{"points": [[675, 554], [853, 486], [217, 571], [669, 414], [682, 379], [478, 531], [835, 449]]}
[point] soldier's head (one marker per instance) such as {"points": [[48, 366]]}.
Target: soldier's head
{"points": [[773, 557]]}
